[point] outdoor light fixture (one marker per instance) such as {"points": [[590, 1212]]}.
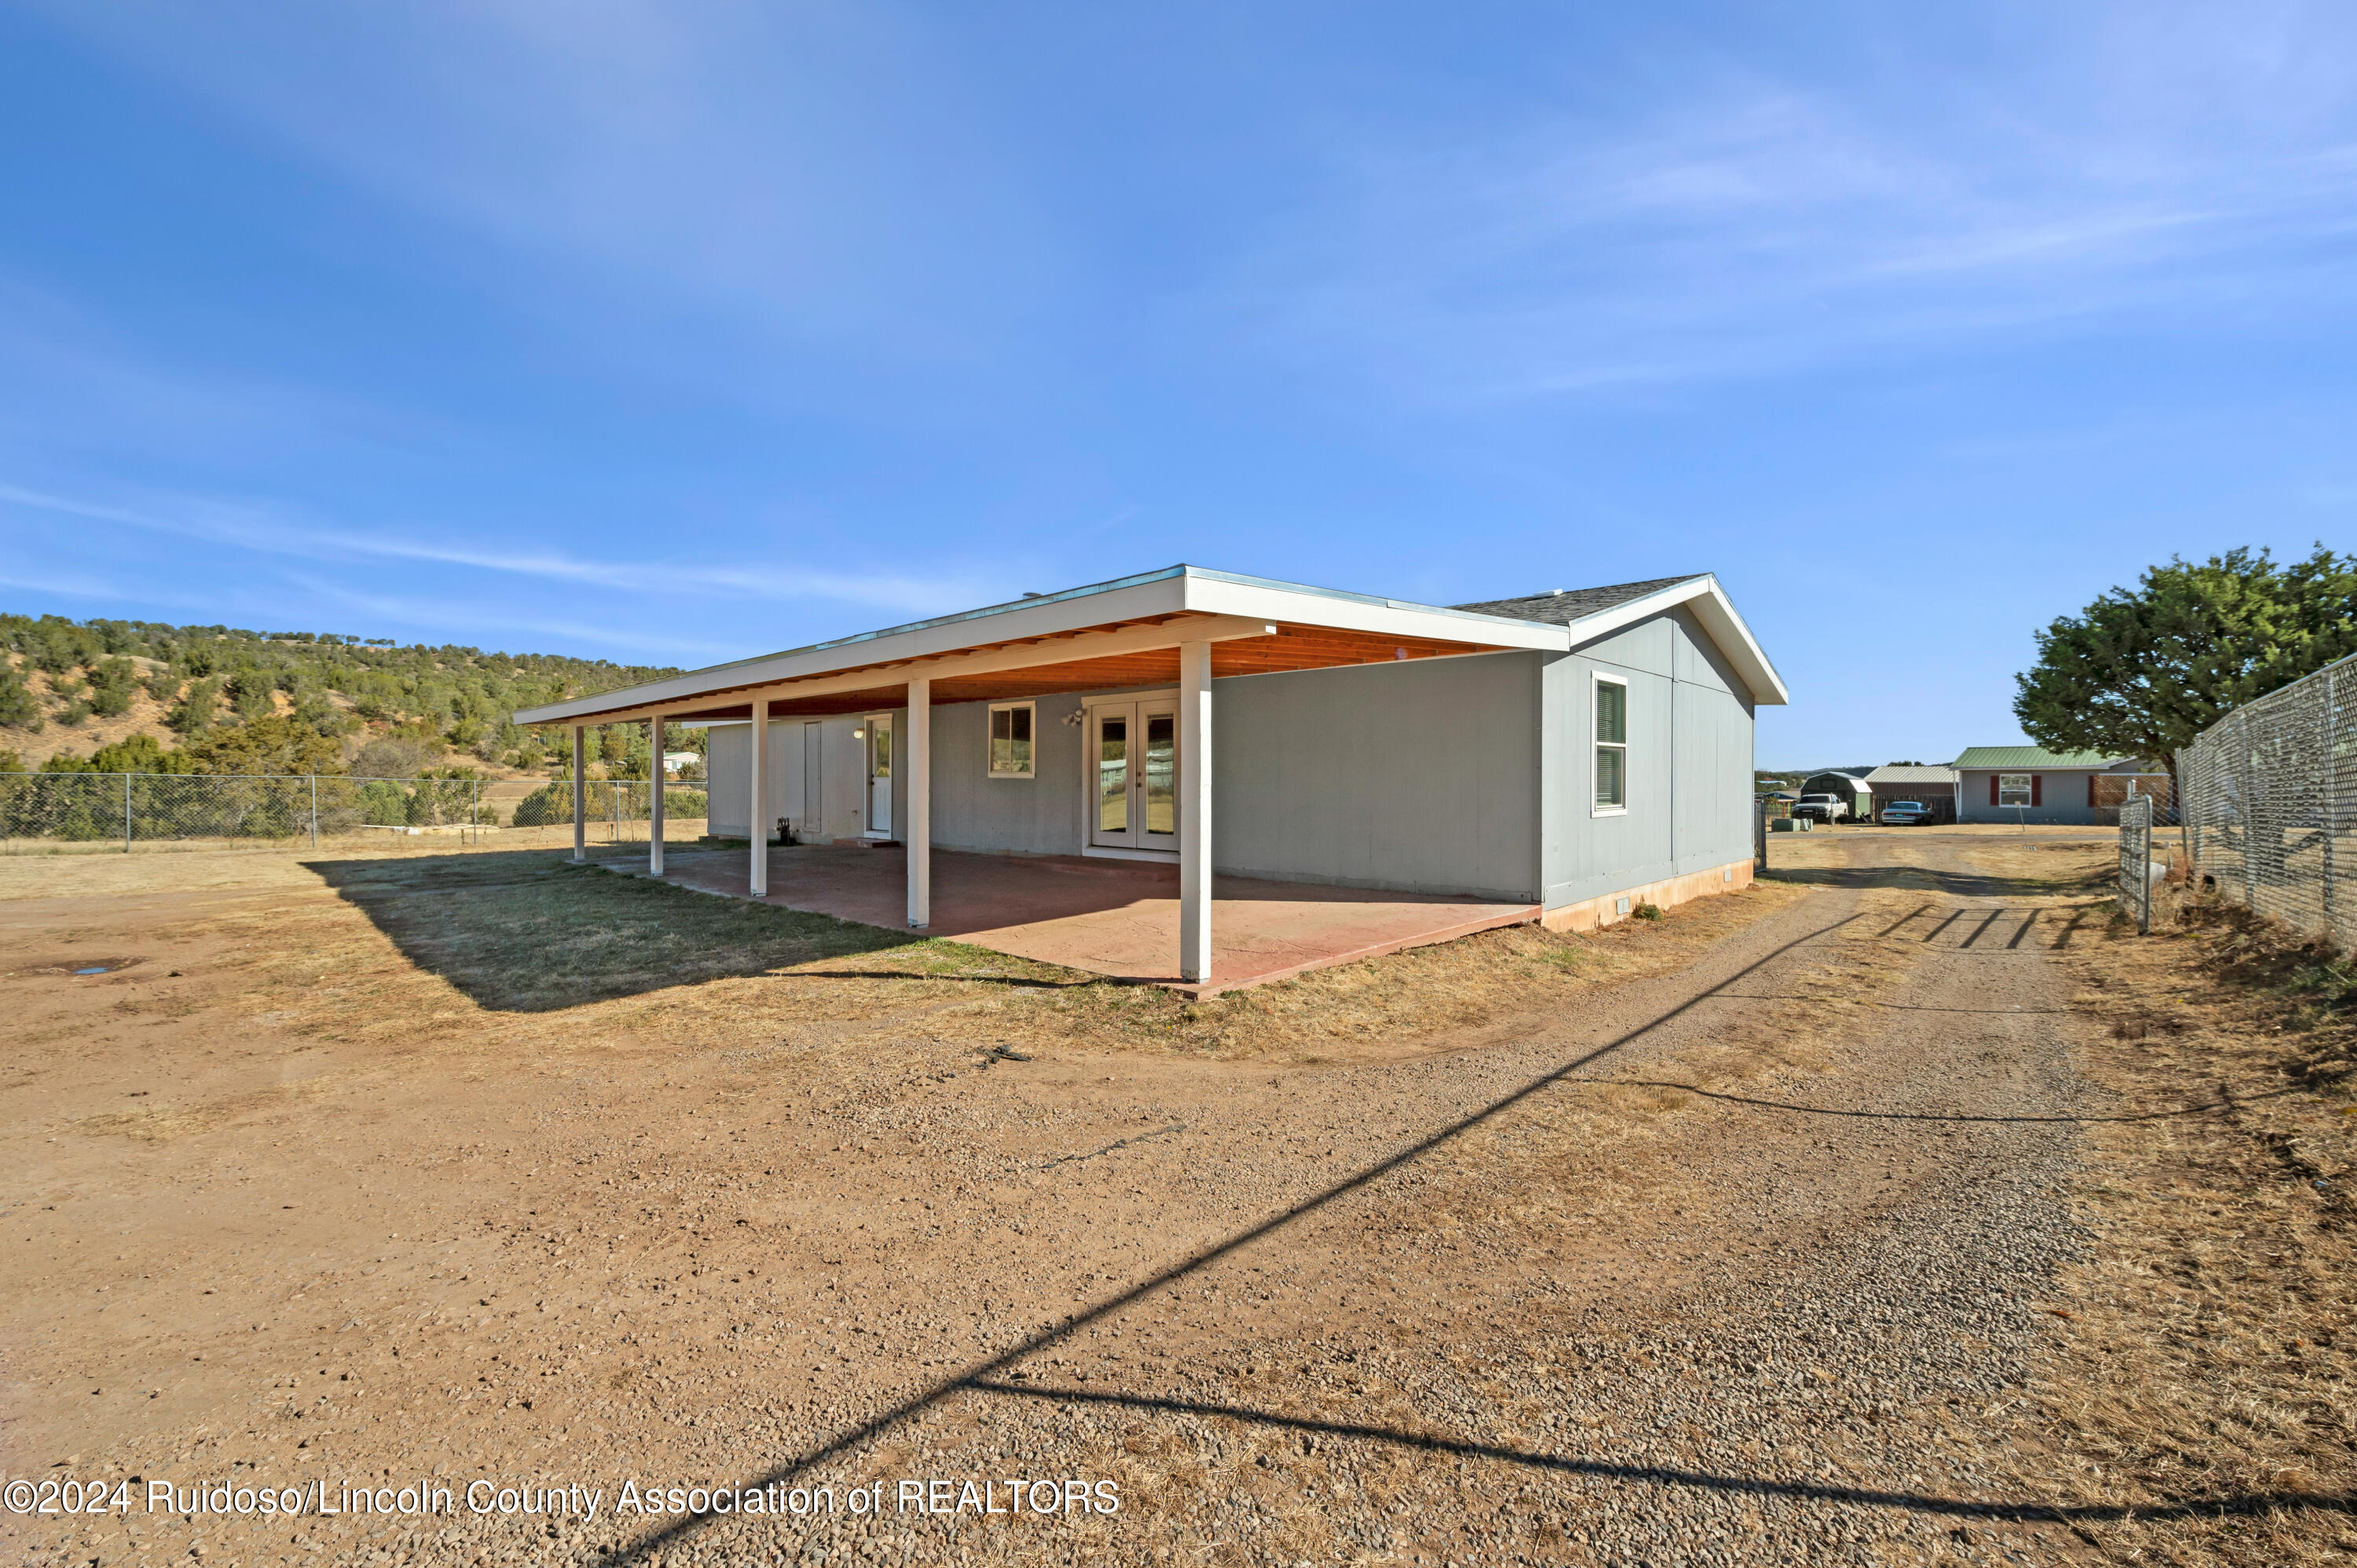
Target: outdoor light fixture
{"points": [[859, 735]]}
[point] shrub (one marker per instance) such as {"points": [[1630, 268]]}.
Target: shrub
{"points": [[111, 686], [18, 710], [193, 714], [545, 807], [383, 804], [249, 692], [396, 756]]}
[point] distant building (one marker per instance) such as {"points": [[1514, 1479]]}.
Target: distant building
{"points": [[1935, 786], [2030, 784], [1848, 786]]}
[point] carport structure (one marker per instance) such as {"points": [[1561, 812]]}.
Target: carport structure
{"points": [[1183, 626], [1363, 741]]}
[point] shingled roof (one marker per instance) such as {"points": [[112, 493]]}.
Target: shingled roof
{"points": [[1561, 606]]}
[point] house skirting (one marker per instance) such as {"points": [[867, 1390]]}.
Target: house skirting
{"points": [[1604, 910]]}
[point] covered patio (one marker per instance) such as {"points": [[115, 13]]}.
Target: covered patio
{"points": [[1117, 918], [1160, 915]]}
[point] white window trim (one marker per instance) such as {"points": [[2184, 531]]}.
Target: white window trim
{"points": [[861, 732], [989, 740], [1597, 678], [2027, 789], [1088, 797]]}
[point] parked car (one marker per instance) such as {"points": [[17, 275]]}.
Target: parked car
{"points": [[1906, 813], [1822, 809]]}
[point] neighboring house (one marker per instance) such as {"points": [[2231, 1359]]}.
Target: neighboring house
{"points": [[1848, 786], [2028, 784], [1935, 786], [674, 762], [1580, 751]]}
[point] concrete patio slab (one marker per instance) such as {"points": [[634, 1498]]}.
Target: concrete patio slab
{"points": [[1114, 918]]}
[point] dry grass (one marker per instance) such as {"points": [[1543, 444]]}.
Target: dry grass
{"points": [[478, 962], [1585, 1148], [2210, 1362], [1382, 1008]]}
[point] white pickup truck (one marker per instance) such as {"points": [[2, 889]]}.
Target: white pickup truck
{"points": [[1822, 808]]}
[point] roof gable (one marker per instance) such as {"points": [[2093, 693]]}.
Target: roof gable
{"points": [[1563, 605], [1261, 626], [2031, 756], [1589, 614]]}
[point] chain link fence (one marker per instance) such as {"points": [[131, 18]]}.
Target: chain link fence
{"points": [[2136, 860], [56, 812], [2270, 803]]}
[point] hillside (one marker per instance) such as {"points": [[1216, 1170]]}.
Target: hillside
{"points": [[69, 688]]}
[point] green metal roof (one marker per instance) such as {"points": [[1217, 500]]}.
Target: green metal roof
{"points": [[2029, 757]]}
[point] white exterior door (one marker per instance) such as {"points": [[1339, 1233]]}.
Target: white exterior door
{"points": [[879, 775], [1132, 768], [809, 823]]}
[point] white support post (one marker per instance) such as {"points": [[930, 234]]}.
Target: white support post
{"points": [[918, 836], [580, 792], [656, 798], [756, 800], [1195, 811]]}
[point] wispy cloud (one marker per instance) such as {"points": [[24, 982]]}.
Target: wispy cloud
{"points": [[469, 618], [803, 168], [1751, 225], [246, 527], [64, 584]]}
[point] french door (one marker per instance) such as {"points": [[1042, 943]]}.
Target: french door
{"points": [[1133, 760]]}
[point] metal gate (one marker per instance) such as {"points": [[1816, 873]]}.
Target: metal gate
{"points": [[2136, 860]]}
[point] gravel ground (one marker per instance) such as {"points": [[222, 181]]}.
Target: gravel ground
{"points": [[1745, 1278]]}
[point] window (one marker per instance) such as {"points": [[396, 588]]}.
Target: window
{"points": [[1611, 746], [1010, 740], [2013, 789]]}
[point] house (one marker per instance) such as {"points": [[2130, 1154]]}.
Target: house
{"points": [[1935, 788], [1573, 753], [2029, 784]]}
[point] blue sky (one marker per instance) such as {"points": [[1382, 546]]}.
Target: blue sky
{"points": [[666, 332]]}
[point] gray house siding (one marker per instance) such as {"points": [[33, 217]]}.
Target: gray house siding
{"points": [[1689, 762], [1417, 777], [2061, 798], [1470, 775], [827, 807], [1414, 777], [1038, 815]]}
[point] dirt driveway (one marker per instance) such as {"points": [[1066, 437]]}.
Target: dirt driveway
{"points": [[1726, 1238]]}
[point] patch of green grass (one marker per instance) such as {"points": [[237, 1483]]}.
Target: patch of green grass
{"points": [[532, 932]]}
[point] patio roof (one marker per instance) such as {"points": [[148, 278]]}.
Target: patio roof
{"points": [[1127, 632], [1182, 626]]}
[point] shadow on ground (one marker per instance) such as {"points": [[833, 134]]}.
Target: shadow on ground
{"points": [[1923, 879], [531, 931], [1004, 1375]]}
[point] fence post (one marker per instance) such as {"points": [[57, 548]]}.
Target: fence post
{"points": [[126, 814], [315, 814], [2328, 820], [475, 811]]}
